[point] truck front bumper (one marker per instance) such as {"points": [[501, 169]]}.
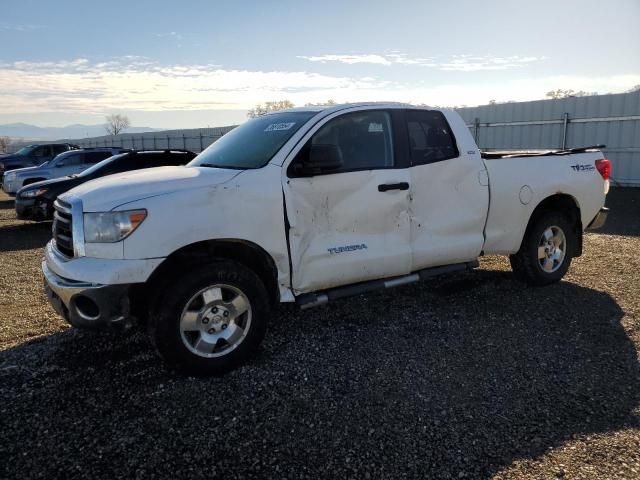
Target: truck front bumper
{"points": [[599, 220], [87, 305], [9, 187]]}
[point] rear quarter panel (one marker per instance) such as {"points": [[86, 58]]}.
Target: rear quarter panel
{"points": [[518, 185]]}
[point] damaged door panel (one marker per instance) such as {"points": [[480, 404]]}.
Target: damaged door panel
{"points": [[347, 204], [343, 230]]}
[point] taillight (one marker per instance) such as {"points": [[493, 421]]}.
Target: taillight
{"points": [[604, 167]]}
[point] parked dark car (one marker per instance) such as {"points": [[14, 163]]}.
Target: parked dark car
{"points": [[35, 201], [32, 156], [65, 164]]}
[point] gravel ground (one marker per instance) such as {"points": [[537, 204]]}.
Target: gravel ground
{"points": [[472, 376]]}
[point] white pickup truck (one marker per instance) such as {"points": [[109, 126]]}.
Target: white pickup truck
{"points": [[309, 205]]}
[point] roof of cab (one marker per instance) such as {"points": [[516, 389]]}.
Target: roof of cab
{"points": [[341, 106]]}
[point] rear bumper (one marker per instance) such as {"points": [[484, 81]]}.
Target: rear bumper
{"points": [[599, 220], [87, 305]]}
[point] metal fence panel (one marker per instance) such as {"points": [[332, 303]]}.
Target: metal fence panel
{"points": [[612, 120]]}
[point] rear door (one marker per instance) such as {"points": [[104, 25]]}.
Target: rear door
{"points": [[449, 191], [349, 224]]}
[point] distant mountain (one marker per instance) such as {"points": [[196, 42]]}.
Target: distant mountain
{"points": [[32, 132]]}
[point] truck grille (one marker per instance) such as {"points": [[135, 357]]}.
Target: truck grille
{"points": [[62, 230]]}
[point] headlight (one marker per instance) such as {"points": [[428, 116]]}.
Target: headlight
{"points": [[34, 193], [10, 176], [110, 227]]}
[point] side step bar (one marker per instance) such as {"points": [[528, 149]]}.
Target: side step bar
{"points": [[310, 300]]}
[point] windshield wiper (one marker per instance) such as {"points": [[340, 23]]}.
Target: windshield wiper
{"points": [[213, 165]]}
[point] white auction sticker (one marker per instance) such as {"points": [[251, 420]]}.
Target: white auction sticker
{"points": [[274, 127]]}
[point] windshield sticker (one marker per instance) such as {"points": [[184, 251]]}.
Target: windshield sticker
{"points": [[375, 127], [275, 127]]}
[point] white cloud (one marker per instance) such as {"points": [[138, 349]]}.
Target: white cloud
{"points": [[139, 84], [454, 63], [174, 35], [5, 27], [349, 59]]}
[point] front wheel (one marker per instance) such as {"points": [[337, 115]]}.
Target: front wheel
{"points": [[545, 254], [210, 319]]}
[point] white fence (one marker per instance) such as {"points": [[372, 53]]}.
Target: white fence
{"points": [[194, 140]]}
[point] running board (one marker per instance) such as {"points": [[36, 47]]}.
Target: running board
{"points": [[310, 300]]}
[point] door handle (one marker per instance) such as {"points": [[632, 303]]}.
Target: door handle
{"points": [[385, 187]]}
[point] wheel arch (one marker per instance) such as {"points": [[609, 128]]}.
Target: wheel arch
{"points": [[29, 181], [566, 205], [245, 252]]}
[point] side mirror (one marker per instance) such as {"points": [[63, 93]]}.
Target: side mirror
{"points": [[320, 159], [60, 163]]}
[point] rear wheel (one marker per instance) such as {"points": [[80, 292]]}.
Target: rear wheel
{"points": [[211, 319], [546, 251]]}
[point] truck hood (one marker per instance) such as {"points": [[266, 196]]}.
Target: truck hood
{"points": [[107, 193], [11, 159], [24, 169]]}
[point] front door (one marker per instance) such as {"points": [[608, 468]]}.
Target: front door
{"points": [[351, 223]]}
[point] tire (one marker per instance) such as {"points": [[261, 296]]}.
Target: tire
{"points": [[530, 266], [210, 319]]}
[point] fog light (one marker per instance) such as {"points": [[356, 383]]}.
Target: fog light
{"points": [[86, 308]]}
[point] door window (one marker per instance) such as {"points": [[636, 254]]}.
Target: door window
{"points": [[95, 157], [58, 149], [73, 159], [41, 152], [363, 140], [430, 138]]}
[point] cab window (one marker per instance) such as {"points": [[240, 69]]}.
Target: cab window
{"points": [[430, 137], [360, 141]]}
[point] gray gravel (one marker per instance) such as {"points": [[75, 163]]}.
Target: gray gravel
{"points": [[472, 376]]}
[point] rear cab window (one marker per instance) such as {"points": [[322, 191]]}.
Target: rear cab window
{"points": [[430, 137]]}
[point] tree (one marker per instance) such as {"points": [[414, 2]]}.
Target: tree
{"points": [[634, 89], [267, 107], [5, 142], [561, 93], [328, 103], [116, 123]]}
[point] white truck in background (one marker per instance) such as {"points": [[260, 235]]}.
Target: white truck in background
{"points": [[309, 205]]}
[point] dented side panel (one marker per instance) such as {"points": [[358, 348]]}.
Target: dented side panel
{"points": [[343, 230]]}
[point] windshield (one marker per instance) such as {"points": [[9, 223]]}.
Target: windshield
{"points": [[25, 151], [252, 144], [101, 164]]}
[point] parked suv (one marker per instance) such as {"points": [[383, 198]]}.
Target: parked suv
{"points": [[32, 155], [67, 163], [35, 201]]}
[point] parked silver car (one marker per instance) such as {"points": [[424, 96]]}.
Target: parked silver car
{"points": [[67, 163]]}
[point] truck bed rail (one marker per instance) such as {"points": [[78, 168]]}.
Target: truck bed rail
{"points": [[493, 154]]}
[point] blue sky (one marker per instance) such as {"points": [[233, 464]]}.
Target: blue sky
{"points": [[198, 63]]}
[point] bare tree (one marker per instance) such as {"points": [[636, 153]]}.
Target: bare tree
{"points": [[5, 142], [263, 109], [116, 123], [562, 93], [328, 103], [635, 88]]}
